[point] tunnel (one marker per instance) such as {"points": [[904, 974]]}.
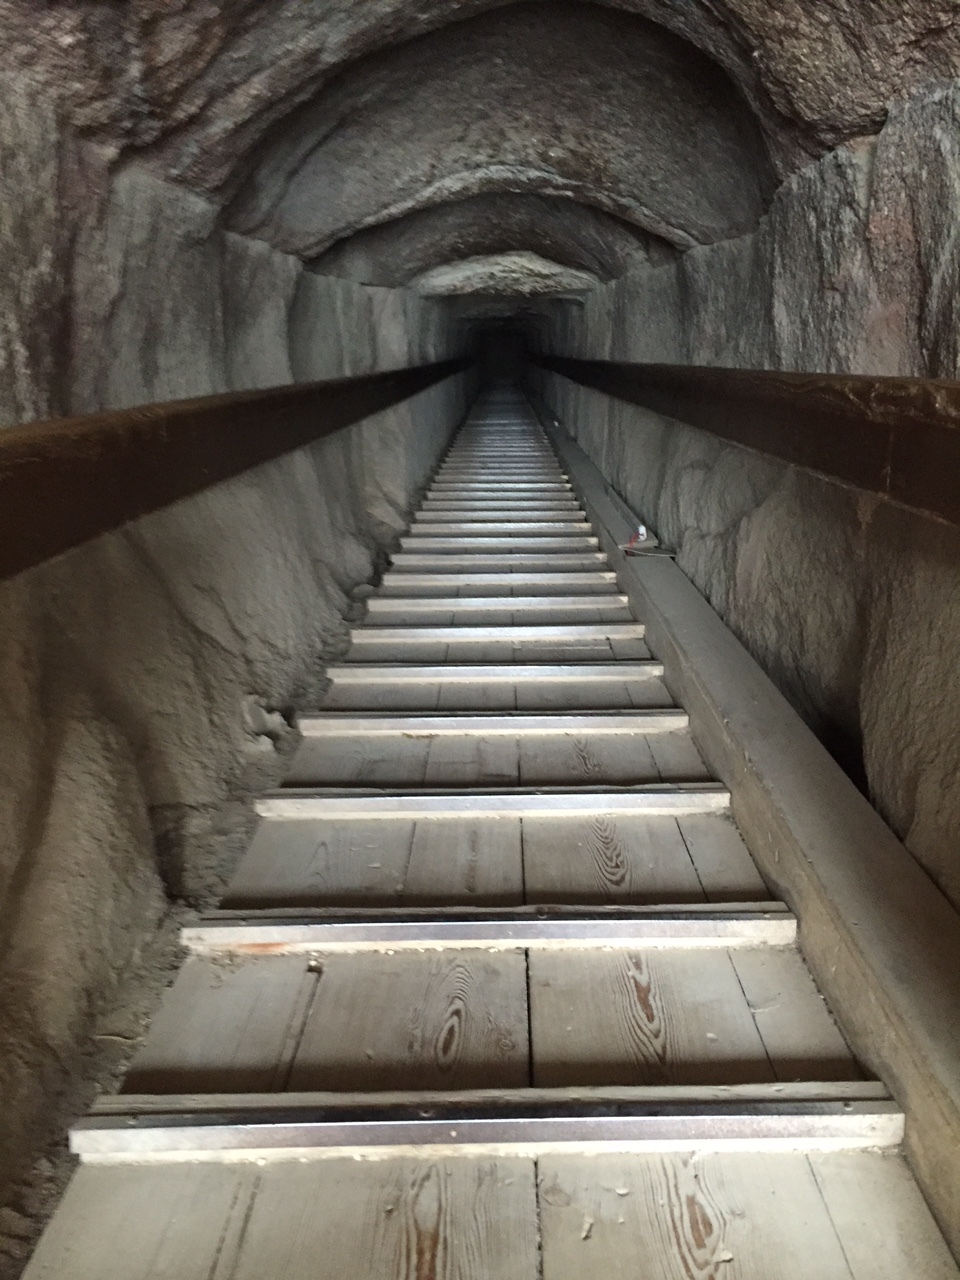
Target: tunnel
{"points": [[480, 491]]}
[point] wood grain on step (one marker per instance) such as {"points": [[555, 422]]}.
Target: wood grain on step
{"points": [[401, 1219], [641, 1017], [603, 859], [471, 861], [730, 1216], [416, 1020]]}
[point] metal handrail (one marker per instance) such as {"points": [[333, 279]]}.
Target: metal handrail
{"points": [[67, 480], [898, 438]]}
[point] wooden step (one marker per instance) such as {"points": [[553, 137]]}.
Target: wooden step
{"points": [[454, 508], [472, 1017], [485, 687], [513, 562], [563, 643], [464, 544], [488, 528], [819, 1213], [641, 847], [502, 490], [496, 610], [391, 603], [494, 751]]}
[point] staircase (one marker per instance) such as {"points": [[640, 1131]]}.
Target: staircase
{"points": [[497, 992]]}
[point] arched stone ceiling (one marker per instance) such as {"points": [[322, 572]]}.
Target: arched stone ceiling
{"points": [[566, 232], [570, 99], [351, 131], [201, 81], [518, 274]]}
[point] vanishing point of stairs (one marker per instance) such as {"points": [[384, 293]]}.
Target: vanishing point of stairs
{"points": [[497, 992]]}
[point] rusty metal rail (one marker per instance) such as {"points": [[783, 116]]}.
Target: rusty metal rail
{"points": [[67, 480], [895, 437]]}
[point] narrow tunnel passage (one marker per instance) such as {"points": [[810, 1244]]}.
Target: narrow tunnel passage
{"points": [[551, 855]]}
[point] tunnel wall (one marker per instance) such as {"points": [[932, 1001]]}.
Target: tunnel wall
{"points": [[850, 604], [148, 678]]}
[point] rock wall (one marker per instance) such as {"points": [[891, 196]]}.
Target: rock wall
{"points": [[148, 679], [851, 605]]}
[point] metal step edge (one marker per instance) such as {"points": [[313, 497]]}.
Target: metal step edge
{"points": [[424, 635], [487, 543], [535, 528], [521, 1121], [394, 604], [416, 561], [323, 724], [534, 487], [510, 673], [654, 800], [434, 510], [571, 578], [267, 932]]}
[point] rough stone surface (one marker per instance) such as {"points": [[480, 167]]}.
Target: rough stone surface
{"points": [[200, 81], [520, 274], [852, 269], [850, 604], [561, 230], [32, 294]]}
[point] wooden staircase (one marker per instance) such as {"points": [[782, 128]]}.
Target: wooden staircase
{"points": [[497, 992]]}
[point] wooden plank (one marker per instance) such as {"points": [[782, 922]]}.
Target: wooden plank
{"points": [[361, 758], [546, 634], [321, 863], [477, 862], [225, 1026], [471, 759], [406, 1219], [450, 1020], [466, 543], [628, 648], [375, 649], [720, 1216], [146, 1223], [607, 859], [726, 870], [883, 1223], [801, 1037], [689, 1097], [417, 562], [388, 695], [482, 610], [483, 695], [641, 1017], [580, 758], [543, 649], [678, 759], [589, 696]]}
